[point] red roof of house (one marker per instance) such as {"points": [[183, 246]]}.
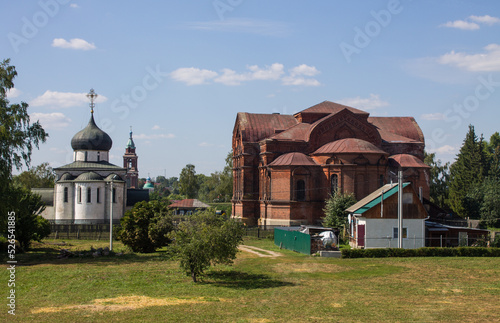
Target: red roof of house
{"points": [[349, 145], [405, 161], [189, 203], [295, 159]]}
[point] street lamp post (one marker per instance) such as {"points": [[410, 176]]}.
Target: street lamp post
{"points": [[111, 217]]}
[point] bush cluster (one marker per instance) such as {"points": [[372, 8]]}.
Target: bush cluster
{"points": [[421, 252]]}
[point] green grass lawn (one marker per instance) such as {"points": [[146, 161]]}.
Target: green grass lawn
{"points": [[290, 288]]}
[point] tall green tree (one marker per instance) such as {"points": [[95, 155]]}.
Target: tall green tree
{"points": [[41, 176], [439, 180], [335, 215], [189, 183], [18, 137], [467, 172], [205, 239]]}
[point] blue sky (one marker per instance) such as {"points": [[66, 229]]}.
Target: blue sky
{"points": [[178, 72]]}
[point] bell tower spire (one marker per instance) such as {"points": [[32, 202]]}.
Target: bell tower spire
{"points": [[130, 163]]}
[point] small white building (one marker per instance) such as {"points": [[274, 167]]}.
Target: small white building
{"points": [[373, 221]]}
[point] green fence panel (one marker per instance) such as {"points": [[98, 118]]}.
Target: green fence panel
{"points": [[293, 240]]}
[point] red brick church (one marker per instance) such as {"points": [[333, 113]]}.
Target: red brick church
{"points": [[286, 166]]}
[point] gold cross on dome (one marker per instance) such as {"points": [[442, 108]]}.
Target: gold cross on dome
{"points": [[92, 96]]}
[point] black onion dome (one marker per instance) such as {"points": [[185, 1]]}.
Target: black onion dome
{"points": [[91, 138]]}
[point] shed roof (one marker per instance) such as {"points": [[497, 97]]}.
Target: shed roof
{"points": [[189, 203], [374, 198]]}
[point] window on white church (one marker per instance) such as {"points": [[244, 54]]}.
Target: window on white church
{"points": [[65, 195], [113, 195], [89, 195], [98, 195], [79, 195], [98, 156]]}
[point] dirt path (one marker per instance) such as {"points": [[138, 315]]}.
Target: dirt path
{"points": [[260, 252]]}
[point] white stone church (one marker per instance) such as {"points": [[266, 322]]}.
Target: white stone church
{"points": [[90, 189]]}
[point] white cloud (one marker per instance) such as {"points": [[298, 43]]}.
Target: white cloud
{"points": [[370, 103], [54, 120], [192, 75], [487, 61], [472, 22], [56, 99], [156, 127], [486, 19], [230, 77], [13, 93], [272, 72], [304, 70], [461, 24], [297, 73], [195, 76], [446, 149], [243, 25], [152, 137], [433, 116], [205, 144], [74, 5], [290, 80], [75, 43]]}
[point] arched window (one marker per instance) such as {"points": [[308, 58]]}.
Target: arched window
{"points": [[113, 195], [98, 156], [301, 190], [381, 181], [98, 195], [89, 195], [335, 183], [65, 195]]}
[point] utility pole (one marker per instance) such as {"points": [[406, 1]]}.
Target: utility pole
{"points": [[400, 209]]}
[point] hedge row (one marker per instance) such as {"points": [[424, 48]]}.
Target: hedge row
{"points": [[421, 252]]}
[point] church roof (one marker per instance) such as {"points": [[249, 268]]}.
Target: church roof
{"points": [[66, 177], [405, 127], [328, 107], [91, 138], [89, 176], [348, 146], [114, 177], [255, 127], [293, 159], [406, 161], [81, 165]]}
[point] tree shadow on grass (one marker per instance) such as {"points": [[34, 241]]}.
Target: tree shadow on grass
{"points": [[241, 280], [49, 255]]}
